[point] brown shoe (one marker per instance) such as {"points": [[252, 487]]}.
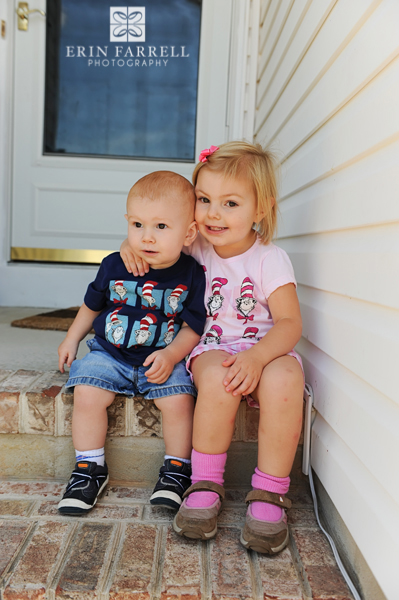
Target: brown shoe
{"points": [[267, 537], [199, 523]]}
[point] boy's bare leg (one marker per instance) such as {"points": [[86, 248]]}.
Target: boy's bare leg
{"points": [[177, 424], [89, 418], [280, 397], [89, 429], [216, 409]]}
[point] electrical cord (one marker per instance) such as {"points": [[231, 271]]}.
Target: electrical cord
{"points": [[308, 468]]}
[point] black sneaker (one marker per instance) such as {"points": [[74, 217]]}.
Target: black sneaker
{"points": [[174, 480], [84, 487]]}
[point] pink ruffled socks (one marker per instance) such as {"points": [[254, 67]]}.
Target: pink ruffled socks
{"points": [[279, 485], [210, 467], [206, 467]]}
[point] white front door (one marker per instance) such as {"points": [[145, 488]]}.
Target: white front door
{"points": [[69, 181]]}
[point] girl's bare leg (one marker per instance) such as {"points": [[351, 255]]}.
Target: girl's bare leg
{"points": [[177, 424], [216, 409], [89, 418], [280, 397]]}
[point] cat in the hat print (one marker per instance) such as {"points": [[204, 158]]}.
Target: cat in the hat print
{"points": [[246, 302], [215, 301], [115, 328], [151, 298], [214, 335], [250, 332], [168, 335], [120, 291], [145, 330], [174, 299], [123, 292], [169, 329]]}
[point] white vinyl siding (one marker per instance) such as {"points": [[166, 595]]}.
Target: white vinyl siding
{"points": [[327, 102]]}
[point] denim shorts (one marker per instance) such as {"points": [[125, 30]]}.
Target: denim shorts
{"points": [[100, 369]]}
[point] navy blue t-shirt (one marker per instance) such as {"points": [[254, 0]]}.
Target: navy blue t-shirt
{"points": [[143, 314]]}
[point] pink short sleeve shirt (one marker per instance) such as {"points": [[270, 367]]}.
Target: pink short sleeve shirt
{"points": [[237, 291]]}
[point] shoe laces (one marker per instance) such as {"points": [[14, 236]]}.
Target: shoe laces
{"points": [[75, 480], [172, 476]]}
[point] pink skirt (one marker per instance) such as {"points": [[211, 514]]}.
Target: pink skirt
{"points": [[234, 348]]}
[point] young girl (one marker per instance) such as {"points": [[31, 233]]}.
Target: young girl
{"points": [[246, 351]]}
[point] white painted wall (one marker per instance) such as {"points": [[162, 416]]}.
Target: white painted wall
{"points": [[327, 102]]}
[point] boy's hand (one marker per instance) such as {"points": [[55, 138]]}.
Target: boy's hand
{"points": [[67, 352], [244, 373], [162, 366], [133, 263]]}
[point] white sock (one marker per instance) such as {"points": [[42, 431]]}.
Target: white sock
{"points": [[96, 456], [183, 460]]}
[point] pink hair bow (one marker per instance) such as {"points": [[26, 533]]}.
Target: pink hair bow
{"points": [[203, 157]]}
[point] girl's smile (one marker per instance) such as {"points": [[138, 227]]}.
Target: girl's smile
{"points": [[215, 229], [226, 210]]}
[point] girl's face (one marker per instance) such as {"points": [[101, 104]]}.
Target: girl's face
{"points": [[225, 212]]}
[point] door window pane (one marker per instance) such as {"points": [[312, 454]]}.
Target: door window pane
{"points": [[121, 81]]}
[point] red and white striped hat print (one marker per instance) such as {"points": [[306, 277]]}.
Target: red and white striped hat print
{"points": [[214, 331], [247, 288], [114, 317], [177, 292], [217, 283], [148, 287], [250, 332], [146, 321]]}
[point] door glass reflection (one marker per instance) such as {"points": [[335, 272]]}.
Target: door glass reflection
{"points": [[122, 81]]}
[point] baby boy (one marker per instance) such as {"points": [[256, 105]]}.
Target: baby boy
{"points": [[144, 327]]}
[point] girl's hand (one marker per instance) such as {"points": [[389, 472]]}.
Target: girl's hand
{"points": [[133, 263], [162, 366], [67, 352], [244, 373]]}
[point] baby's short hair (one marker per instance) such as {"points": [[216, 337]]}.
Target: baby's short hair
{"points": [[161, 184], [259, 167]]}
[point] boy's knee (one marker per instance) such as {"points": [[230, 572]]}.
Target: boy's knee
{"points": [[91, 398], [178, 405]]}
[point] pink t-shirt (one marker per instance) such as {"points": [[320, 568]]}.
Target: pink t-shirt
{"points": [[237, 291]]}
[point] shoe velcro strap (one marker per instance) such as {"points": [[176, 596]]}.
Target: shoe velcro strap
{"points": [[205, 486], [269, 497]]}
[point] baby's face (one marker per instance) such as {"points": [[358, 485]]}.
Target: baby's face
{"points": [[158, 229]]}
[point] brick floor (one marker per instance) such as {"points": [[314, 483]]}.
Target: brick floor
{"points": [[125, 549]]}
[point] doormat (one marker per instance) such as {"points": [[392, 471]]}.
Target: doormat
{"points": [[56, 320]]}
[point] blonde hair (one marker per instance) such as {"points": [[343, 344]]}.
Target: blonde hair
{"points": [[165, 184], [259, 166]]}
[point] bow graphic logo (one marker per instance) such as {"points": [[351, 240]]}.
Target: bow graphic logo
{"points": [[127, 23]]}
